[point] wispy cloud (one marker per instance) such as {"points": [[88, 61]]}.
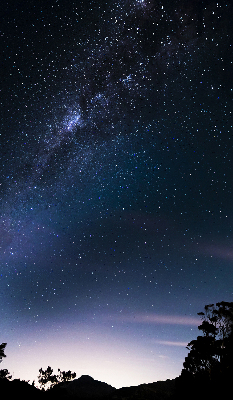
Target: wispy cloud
{"points": [[162, 319], [171, 343], [219, 251], [157, 319]]}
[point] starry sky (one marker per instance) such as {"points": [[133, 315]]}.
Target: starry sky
{"points": [[116, 183]]}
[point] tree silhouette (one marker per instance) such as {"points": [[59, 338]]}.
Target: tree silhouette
{"points": [[5, 374], [47, 379], [2, 349], [211, 355], [65, 376]]}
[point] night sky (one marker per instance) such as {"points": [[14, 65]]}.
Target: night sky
{"points": [[116, 206]]}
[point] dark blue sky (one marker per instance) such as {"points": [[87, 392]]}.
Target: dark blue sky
{"points": [[116, 183]]}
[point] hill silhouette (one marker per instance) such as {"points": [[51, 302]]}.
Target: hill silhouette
{"points": [[161, 390], [84, 387], [16, 388], [87, 388]]}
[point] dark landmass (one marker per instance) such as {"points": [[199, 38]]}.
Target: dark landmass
{"points": [[161, 390], [86, 388], [17, 388]]}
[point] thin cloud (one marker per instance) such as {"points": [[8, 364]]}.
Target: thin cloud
{"points": [[170, 343], [163, 319], [219, 251], [156, 319]]}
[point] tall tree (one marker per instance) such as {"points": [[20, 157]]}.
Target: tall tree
{"points": [[212, 354]]}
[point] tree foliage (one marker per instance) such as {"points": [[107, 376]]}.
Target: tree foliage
{"points": [[211, 355], [65, 376], [47, 379], [2, 349], [5, 374]]}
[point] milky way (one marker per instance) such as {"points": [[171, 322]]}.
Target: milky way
{"points": [[116, 175]]}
